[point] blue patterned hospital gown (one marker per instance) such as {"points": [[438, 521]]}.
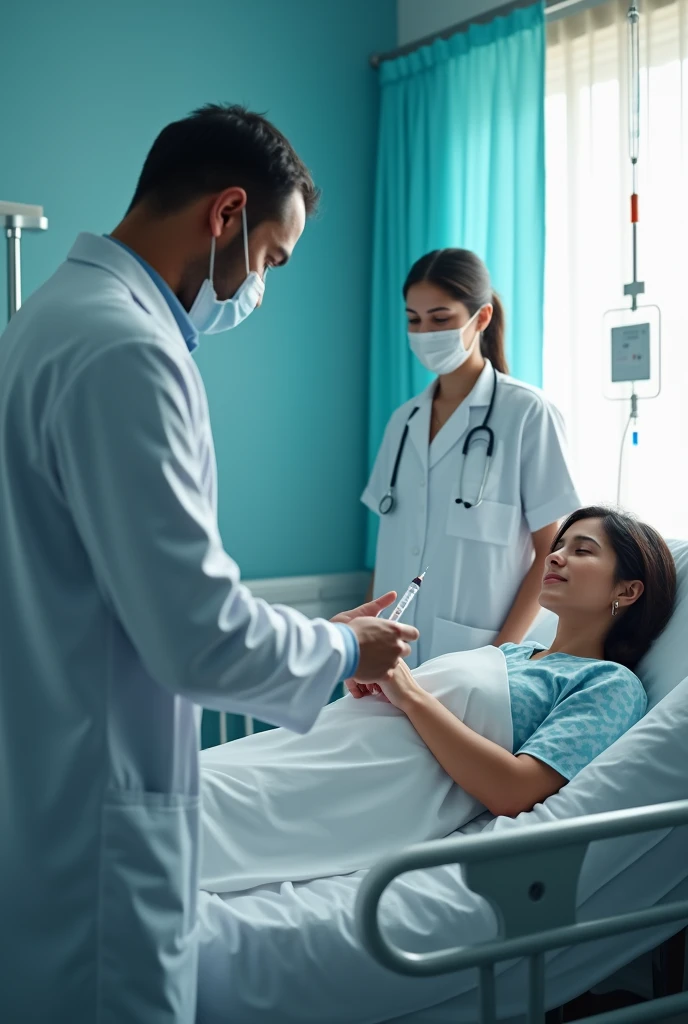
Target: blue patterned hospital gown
{"points": [[567, 710]]}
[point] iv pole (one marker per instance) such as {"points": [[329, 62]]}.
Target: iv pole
{"points": [[636, 287], [15, 218]]}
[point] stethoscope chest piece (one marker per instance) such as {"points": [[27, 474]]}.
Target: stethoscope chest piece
{"points": [[387, 503]]}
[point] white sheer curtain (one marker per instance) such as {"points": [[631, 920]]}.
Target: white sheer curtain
{"points": [[588, 247]]}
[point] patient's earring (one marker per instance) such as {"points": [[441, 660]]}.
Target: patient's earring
{"points": [[615, 606]]}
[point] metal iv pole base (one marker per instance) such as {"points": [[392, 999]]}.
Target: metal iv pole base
{"points": [[14, 224]]}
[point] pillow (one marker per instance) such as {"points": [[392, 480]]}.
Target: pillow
{"points": [[666, 663], [543, 629]]}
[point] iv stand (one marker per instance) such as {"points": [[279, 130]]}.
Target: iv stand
{"points": [[15, 218], [636, 287]]}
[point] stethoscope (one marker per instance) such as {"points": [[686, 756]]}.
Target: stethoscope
{"points": [[483, 431]]}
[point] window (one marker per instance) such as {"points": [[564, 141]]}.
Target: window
{"points": [[589, 248]]}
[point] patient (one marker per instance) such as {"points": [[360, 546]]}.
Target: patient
{"points": [[611, 580], [497, 729]]}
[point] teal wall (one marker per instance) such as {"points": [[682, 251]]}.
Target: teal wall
{"points": [[85, 88]]}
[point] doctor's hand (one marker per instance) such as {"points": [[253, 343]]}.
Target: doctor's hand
{"points": [[369, 609], [381, 645]]}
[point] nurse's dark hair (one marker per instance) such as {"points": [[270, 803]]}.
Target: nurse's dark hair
{"points": [[463, 276], [641, 554], [217, 147]]}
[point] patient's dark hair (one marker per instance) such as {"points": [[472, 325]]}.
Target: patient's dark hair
{"points": [[641, 554]]}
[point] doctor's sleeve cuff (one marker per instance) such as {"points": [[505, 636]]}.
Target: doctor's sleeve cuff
{"points": [[552, 511], [352, 650]]}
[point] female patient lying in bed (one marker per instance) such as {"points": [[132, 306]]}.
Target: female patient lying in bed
{"points": [[416, 756]]}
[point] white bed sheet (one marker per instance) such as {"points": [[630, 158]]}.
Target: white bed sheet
{"points": [[289, 954], [276, 805]]}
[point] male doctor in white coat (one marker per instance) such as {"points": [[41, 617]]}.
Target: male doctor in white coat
{"points": [[121, 612]]}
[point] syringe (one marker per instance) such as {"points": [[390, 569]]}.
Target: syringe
{"points": [[412, 590]]}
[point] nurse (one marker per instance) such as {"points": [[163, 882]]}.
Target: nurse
{"points": [[471, 478]]}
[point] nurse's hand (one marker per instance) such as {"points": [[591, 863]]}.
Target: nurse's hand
{"points": [[381, 644], [369, 609]]}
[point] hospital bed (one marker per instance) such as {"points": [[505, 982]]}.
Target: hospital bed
{"points": [[294, 954]]}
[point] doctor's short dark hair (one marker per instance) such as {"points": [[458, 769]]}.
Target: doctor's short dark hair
{"points": [[463, 276], [641, 554], [217, 147]]}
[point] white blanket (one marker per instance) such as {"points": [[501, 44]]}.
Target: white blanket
{"points": [[277, 806]]}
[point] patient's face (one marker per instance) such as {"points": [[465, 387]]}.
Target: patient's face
{"points": [[579, 573]]}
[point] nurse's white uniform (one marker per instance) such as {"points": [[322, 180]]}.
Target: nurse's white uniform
{"points": [[477, 557], [119, 607]]}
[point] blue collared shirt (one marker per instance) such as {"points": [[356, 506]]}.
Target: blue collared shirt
{"points": [[190, 336], [352, 650], [188, 331]]}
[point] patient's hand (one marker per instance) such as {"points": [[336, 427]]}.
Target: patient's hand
{"points": [[402, 689], [399, 690], [357, 689]]}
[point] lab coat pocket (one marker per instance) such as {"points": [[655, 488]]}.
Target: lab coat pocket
{"points": [[148, 887], [449, 637], [492, 522]]}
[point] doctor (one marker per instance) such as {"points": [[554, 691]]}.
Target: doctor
{"points": [[120, 608], [471, 477]]}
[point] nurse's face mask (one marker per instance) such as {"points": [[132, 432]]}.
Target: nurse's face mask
{"points": [[442, 351], [211, 315]]}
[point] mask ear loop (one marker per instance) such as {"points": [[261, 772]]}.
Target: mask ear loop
{"points": [[212, 261], [478, 334], [243, 221], [212, 249]]}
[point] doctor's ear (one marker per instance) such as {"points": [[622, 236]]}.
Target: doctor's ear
{"points": [[225, 212]]}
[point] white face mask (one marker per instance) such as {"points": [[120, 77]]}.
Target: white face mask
{"points": [[442, 351], [210, 315]]}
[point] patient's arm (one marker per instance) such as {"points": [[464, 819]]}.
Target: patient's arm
{"points": [[505, 783]]}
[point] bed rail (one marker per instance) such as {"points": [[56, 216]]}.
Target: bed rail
{"points": [[530, 878]]}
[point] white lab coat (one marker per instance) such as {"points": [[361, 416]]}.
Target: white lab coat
{"points": [[477, 557], [119, 609]]}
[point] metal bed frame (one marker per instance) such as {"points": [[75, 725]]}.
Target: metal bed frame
{"points": [[530, 879]]}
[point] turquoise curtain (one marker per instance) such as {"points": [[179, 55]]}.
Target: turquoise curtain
{"points": [[461, 162]]}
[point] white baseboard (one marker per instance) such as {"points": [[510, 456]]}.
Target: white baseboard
{"points": [[315, 596]]}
